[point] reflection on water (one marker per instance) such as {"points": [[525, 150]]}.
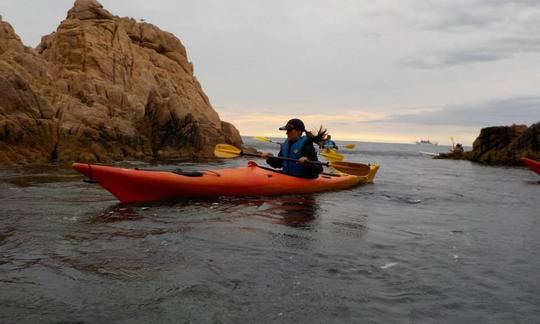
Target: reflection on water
{"points": [[116, 213], [37, 175], [140, 221], [6, 232], [294, 211], [33, 180]]}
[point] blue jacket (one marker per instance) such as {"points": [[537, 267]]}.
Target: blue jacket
{"points": [[329, 145], [295, 150]]}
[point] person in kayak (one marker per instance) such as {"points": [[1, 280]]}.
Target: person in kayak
{"points": [[458, 148], [329, 144], [300, 148]]}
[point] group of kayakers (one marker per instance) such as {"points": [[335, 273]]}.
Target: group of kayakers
{"points": [[300, 147]]}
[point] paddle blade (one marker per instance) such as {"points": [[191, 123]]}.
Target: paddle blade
{"points": [[356, 169], [332, 156], [226, 151], [350, 146], [262, 139]]}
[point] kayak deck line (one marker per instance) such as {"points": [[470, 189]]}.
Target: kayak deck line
{"points": [[135, 185], [181, 172]]}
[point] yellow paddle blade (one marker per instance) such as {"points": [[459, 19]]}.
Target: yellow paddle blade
{"points": [[262, 139], [332, 156], [350, 146], [357, 169], [226, 151]]}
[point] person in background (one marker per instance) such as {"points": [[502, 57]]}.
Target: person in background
{"points": [[458, 148], [299, 147], [329, 144]]}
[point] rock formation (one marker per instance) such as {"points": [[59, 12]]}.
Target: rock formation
{"points": [[103, 88], [457, 153], [503, 145]]}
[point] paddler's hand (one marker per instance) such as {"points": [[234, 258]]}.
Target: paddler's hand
{"points": [[267, 155], [302, 160]]}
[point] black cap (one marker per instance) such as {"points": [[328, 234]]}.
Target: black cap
{"points": [[294, 123]]}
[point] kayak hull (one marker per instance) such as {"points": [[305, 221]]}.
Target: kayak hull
{"points": [[136, 186], [532, 164]]}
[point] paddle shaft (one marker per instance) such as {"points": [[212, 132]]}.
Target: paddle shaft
{"points": [[357, 169], [287, 159]]}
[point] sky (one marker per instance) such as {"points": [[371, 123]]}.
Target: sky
{"points": [[378, 71]]}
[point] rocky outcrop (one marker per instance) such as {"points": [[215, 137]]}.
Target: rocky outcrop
{"points": [[457, 153], [503, 145], [103, 88], [8, 38], [28, 124]]}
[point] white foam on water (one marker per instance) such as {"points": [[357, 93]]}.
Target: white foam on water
{"points": [[389, 265]]}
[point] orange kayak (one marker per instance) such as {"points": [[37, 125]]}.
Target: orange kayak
{"points": [[532, 164], [136, 186]]}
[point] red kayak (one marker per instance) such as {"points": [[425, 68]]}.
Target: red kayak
{"points": [[135, 186], [532, 164]]}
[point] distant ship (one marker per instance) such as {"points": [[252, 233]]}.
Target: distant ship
{"points": [[427, 142]]}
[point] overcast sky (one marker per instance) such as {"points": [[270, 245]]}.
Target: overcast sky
{"points": [[385, 70]]}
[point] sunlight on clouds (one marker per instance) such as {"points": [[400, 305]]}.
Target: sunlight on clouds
{"points": [[352, 126], [268, 124]]}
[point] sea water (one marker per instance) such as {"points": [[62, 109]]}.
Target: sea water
{"points": [[431, 241]]}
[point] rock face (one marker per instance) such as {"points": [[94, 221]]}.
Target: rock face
{"points": [[103, 88], [503, 145]]}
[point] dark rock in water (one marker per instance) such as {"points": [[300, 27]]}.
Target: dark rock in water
{"points": [[457, 153], [507, 145], [103, 88], [502, 145], [454, 155]]}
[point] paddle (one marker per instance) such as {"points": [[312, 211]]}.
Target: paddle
{"points": [[265, 139], [356, 169], [332, 155]]}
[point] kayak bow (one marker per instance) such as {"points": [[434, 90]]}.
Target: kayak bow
{"points": [[532, 164]]}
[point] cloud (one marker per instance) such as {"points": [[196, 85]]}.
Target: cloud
{"points": [[465, 32], [518, 110], [255, 116], [495, 50], [439, 60], [479, 15]]}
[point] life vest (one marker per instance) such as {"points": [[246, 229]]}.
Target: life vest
{"points": [[329, 144], [294, 151]]}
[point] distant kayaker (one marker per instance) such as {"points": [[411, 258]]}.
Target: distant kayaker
{"points": [[329, 144], [300, 148], [458, 148]]}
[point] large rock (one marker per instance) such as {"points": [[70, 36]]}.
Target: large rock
{"points": [[496, 145], [103, 87], [28, 123], [8, 39], [503, 145]]}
